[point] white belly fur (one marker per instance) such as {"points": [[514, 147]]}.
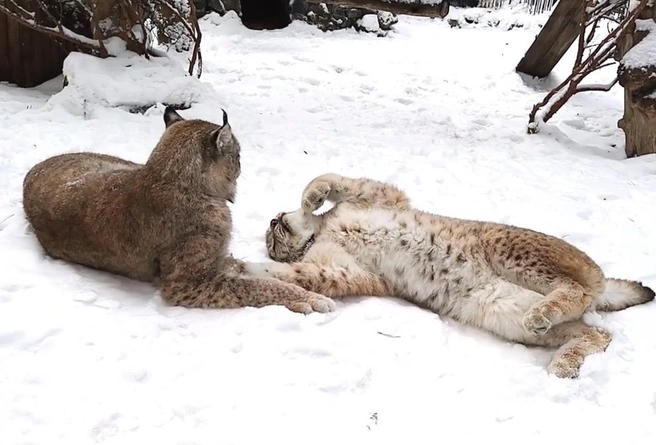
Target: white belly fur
{"points": [[429, 274]]}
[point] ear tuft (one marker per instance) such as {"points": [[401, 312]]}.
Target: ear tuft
{"points": [[221, 137], [225, 117], [171, 117]]}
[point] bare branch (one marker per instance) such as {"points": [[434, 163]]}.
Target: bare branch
{"points": [[68, 35], [23, 11], [600, 87], [84, 8], [56, 22], [196, 52], [133, 17], [596, 60], [195, 33], [581, 45]]}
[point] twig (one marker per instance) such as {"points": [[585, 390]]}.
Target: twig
{"points": [[84, 7], [591, 35], [581, 43], [607, 87], [22, 10], [196, 36], [134, 18], [56, 22], [389, 335], [196, 53]]}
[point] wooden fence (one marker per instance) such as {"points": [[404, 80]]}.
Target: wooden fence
{"points": [[28, 58], [534, 6]]}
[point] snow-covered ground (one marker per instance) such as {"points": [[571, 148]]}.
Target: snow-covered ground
{"points": [[87, 357]]}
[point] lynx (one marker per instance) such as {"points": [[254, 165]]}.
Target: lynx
{"points": [[523, 286], [166, 221]]}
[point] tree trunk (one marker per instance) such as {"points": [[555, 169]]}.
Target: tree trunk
{"points": [[638, 77], [554, 40]]}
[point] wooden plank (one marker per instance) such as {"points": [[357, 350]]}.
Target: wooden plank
{"points": [[554, 39], [13, 40], [27, 66], [4, 49], [27, 57], [40, 57]]}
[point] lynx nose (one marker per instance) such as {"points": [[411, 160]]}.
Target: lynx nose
{"points": [[273, 223]]}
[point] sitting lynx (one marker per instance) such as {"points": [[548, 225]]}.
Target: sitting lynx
{"points": [[519, 284]]}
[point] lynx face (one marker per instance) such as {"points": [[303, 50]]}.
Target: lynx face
{"points": [[289, 236]]}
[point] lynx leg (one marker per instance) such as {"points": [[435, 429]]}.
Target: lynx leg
{"points": [[363, 192], [576, 340], [567, 302], [327, 280], [231, 292], [191, 276], [500, 308]]}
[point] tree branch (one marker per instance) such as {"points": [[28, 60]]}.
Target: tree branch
{"points": [[596, 60], [56, 22], [581, 45], [68, 35], [84, 8], [196, 53], [195, 33], [591, 87]]}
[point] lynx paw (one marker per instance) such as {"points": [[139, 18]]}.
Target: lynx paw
{"points": [[312, 303], [315, 195], [563, 368], [535, 322]]}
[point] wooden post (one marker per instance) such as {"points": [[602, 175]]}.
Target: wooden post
{"points": [[554, 39], [639, 81]]}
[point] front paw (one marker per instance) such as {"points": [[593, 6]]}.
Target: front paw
{"points": [[235, 266], [312, 303], [259, 270], [535, 322], [315, 196]]}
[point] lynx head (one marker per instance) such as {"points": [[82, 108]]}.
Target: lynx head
{"points": [[198, 154], [289, 236]]}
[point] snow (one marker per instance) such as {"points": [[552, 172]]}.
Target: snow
{"points": [[369, 22], [423, 2], [508, 17], [108, 82], [87, 357], [644, 53]]}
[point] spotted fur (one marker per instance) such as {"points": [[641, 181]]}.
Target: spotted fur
{"points": [[522, 285]]}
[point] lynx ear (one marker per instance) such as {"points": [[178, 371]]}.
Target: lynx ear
{"points": [[171, 117], [222, 138]]}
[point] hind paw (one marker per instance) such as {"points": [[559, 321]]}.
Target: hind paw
{"points": [[564, 368], [312, 303], [536, 323]]}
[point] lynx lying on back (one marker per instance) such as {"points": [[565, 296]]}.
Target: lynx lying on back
{"points": [[522, 285], [166, 221]]}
